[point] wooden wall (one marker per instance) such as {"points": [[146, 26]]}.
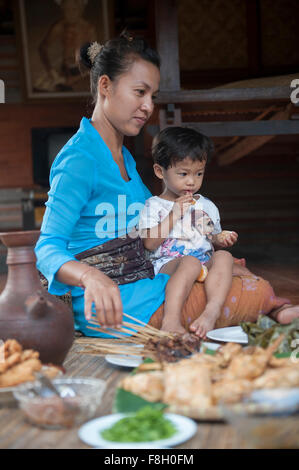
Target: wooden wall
{"points": [[16, 122]]}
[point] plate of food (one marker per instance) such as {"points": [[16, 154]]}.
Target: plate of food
{"points": [[231, 334], [18, 367], [147, 428], [196, 386]]}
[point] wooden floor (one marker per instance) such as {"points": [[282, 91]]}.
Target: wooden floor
{"points": [[15, 433], [283, 278]]}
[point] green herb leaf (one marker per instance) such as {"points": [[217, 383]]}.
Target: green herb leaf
{"points": [[147, 424]]}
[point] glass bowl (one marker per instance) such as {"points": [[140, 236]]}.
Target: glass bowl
{"points": [[78, 403], [268, 419]]}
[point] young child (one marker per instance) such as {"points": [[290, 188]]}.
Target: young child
{"points": [[180, 229]]}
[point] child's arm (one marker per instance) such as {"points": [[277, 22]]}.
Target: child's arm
{"points": [[224, 239], [154, 237]]}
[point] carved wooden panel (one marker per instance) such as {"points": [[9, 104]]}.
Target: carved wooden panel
{"points": [[279, 26], [212, 34]]}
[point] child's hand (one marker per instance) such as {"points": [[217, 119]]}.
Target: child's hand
{"points": [[182, 204], [226, 239]]}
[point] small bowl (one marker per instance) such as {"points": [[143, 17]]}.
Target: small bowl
{"points": [[54, 412], [7, 398], [267, 419]]}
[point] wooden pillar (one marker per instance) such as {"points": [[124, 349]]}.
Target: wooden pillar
{"points": [[166, 19]]}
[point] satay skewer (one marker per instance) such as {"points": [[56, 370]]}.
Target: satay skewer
{"points": [[136, 334]]}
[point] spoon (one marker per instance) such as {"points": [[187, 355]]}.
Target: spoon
{"points": [[49, 389]]}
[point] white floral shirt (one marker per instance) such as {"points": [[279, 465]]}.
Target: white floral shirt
{"points": [[191, 235]]}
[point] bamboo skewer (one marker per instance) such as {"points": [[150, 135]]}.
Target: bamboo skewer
{"points": [[147, 329], [120, 333], [124, 339]]}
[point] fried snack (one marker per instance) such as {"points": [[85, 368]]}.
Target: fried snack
{"points": [[251, 366], [18, 366], [222, 236], [230, 391], [20, 373], [148, 366], [187, 385], [10, 361], [282, 377], [11, 346], [280, 362], [202, 381], [148, 385], [29, 354], [228, 351]]}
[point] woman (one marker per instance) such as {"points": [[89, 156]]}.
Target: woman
{"points": [[95, 195]]}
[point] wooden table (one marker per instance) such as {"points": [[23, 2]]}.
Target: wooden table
{"points": [[15, 433]]}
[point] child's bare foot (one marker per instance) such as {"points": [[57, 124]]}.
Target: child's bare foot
{"points": [[287, 314], [173, 327], [240, 261], [205, 322]]}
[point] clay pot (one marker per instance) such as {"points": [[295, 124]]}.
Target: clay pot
{"points": [[28, 313]]}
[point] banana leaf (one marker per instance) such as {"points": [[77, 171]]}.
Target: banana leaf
{"points": [[127, 402], [265, 331]]}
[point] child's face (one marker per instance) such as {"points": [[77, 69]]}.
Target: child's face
{"points": [[181, 178]]}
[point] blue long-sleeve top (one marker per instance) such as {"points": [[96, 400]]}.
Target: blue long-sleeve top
{"points": [[88, 204]]}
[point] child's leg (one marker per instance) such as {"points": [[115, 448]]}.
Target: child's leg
{"points": [[183, 271], [217, 285]]}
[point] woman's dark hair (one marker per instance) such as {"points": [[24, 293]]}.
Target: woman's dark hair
{"points": [[173, 144], [116, 57]]}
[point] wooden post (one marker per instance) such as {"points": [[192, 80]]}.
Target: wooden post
{"points": [[168, 47], [168, 43]]}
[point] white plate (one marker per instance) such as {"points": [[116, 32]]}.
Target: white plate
{"points": [[90, 433], [210, 346], [123, 360], [231, 334]]}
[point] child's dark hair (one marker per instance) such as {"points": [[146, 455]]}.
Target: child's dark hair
{"points": [[173, 144], [116, 57]]}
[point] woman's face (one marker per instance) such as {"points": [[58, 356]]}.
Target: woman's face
{"points": [[128, 103]]}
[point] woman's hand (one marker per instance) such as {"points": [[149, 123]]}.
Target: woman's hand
{"points": [[105, 294]]}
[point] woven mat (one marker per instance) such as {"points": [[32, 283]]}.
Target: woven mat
{"points": [[263, 82]]}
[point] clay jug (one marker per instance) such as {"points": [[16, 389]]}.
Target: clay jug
{"points": [[28, 313]]}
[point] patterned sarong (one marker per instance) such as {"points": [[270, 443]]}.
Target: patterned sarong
{"points": [[121, 259]]}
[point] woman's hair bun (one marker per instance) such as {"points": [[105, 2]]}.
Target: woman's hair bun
{"points": [[84, 56], [89, 52]]}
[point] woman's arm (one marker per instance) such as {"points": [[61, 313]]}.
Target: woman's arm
{"points": [[99, 289], [72, 182]]}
